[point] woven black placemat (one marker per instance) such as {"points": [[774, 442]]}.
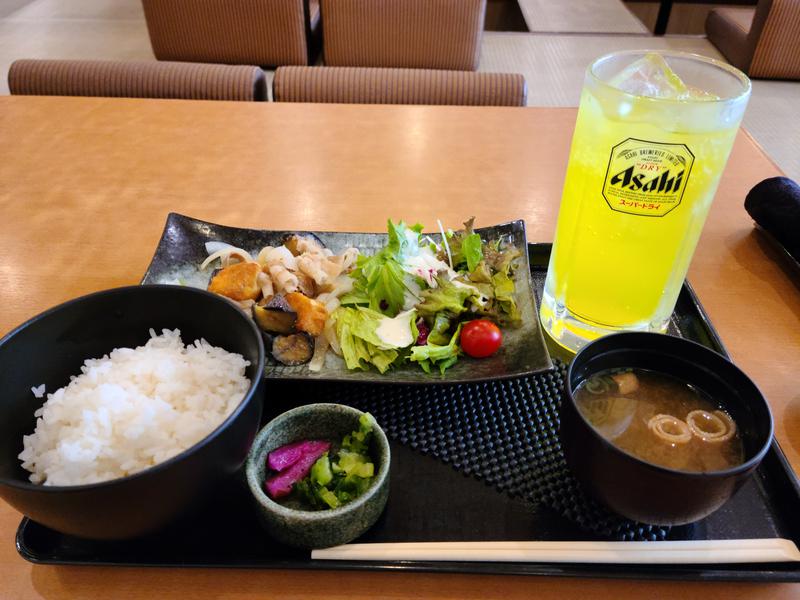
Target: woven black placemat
{"points": [[503, 432]]}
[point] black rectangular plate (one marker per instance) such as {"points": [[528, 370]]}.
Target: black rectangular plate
{"points": [[181, 251], [431, 501]]}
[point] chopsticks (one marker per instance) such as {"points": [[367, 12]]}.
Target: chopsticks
{"points": [[669, 552]]}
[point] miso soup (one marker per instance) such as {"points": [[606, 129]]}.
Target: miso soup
{"points": [[660, 419]]}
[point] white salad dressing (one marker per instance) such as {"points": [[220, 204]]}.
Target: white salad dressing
{"points": [[396, 331]]}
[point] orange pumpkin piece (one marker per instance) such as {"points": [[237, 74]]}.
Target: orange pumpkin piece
{"points": [[311, 315], [237, 282]]}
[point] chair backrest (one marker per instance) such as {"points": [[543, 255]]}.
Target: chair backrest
{"points": [[362, 85], [151, 79], [426, 34], [774, 40], [249, 32]]}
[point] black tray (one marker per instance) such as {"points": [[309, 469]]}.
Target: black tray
{"points": [[432, 501]]}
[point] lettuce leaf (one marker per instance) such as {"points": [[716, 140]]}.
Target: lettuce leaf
{"points": [[442, 357], [445, 297], [473, 251], [356, 330], [380, 281], [438, 334], [504, 299], [466, 247]]}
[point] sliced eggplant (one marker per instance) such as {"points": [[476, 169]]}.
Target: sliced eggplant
{"points": [[274, 320], [294, 349], [292, 242], [278, 302]]}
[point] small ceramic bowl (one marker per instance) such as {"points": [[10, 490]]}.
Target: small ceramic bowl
{"points": [[640, 490], [322, 528]]}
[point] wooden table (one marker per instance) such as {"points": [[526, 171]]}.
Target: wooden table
{"points": [[87, 184]]}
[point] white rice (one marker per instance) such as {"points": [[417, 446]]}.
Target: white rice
{"points": [[133, 409]]}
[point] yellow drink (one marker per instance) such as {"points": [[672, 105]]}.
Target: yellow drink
{"points": [[641, 177]]}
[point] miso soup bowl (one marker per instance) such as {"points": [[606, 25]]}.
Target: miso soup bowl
{"points": [[640, 490]]}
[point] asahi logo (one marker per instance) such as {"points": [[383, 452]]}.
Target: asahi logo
{"points": [[647, 178], [665, 183]]}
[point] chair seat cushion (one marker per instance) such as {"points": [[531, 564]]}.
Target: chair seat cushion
{"points": [[364, 85], [727, 29], [137, 79]]}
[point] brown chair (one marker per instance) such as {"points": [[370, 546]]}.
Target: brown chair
{"points": [[149, 79], [424, 34], [361, 85], [248, 32], [763, 41]]}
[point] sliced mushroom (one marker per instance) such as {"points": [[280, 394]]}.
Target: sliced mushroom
{"points": [[294, 349]]}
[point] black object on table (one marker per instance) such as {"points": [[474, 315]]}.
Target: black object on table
{"points": [[774, 205]]}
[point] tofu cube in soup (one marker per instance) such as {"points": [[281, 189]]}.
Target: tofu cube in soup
{"points": [[627, 383]]}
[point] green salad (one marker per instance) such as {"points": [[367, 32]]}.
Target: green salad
{"points": [[410, 300]]}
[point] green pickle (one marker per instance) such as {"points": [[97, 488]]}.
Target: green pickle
{"points": [[335, 481]]}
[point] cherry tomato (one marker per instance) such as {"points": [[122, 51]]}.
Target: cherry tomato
{"points": [[480, 338]]}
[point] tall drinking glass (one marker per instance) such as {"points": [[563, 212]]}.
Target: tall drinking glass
{"points": [[652, 138]]}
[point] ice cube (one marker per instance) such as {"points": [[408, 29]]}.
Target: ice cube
{"points": [[696, 94], [650, 76]]}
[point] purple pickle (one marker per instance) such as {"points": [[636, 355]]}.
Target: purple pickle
{"points": [[280, 485], [285, 456]]}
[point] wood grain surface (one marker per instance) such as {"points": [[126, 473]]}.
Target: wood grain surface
{"points": [[86, 185]]}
